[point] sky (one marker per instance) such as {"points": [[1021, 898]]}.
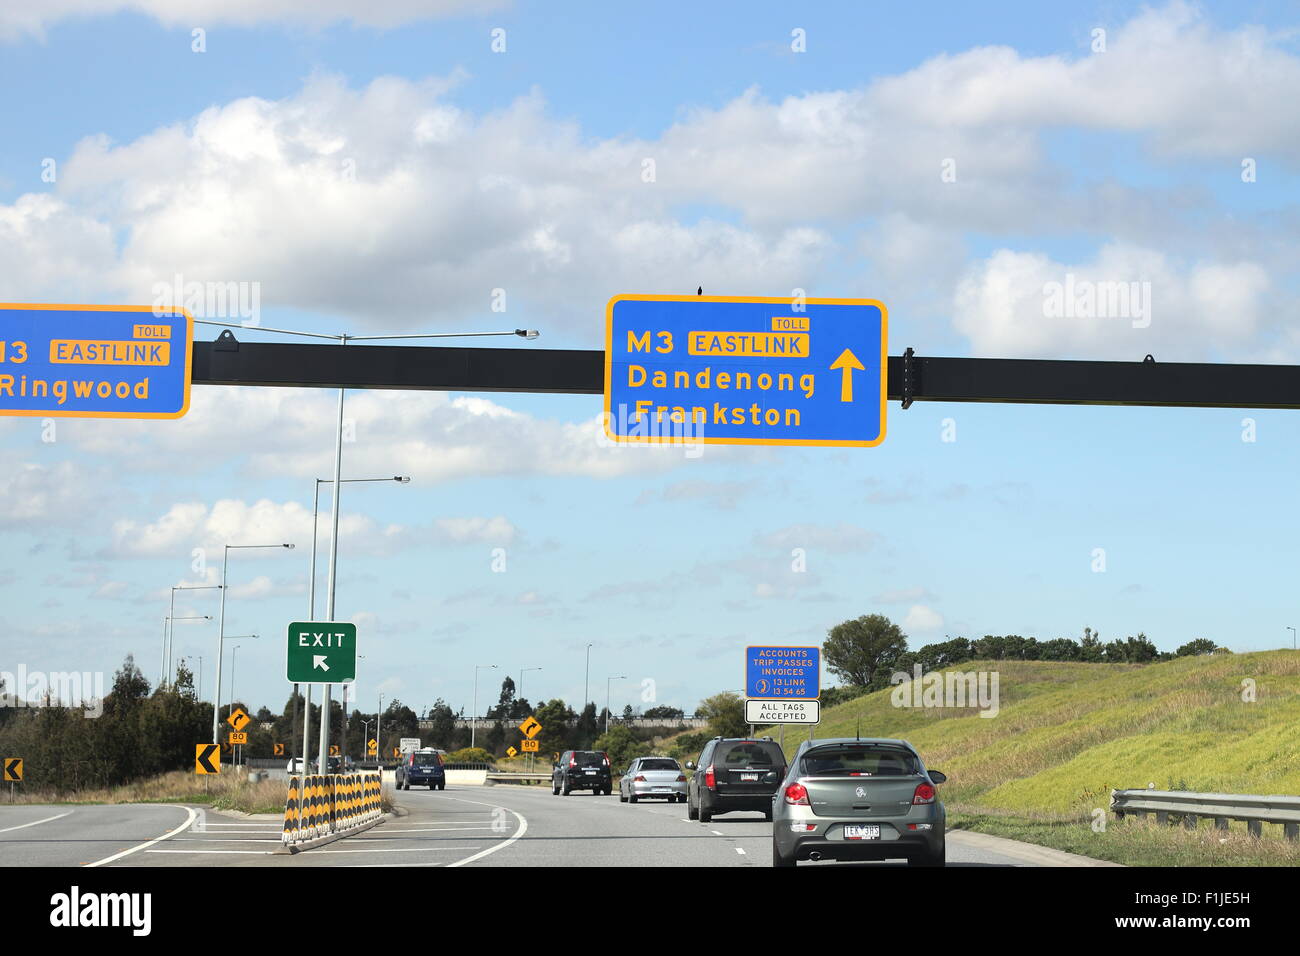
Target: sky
{"points": [[456, 166]]}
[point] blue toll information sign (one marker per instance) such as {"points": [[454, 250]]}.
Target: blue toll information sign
{"points": [[94, 361], [727, 370], [783, 673]]}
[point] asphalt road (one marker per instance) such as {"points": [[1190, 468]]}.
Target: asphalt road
{"points": [[462, 826]]}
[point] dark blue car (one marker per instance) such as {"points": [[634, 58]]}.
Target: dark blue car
{"points": [[422, 768]]}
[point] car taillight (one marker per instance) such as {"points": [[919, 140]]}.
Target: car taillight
{"points": [[924, 793], [573, 762], [710, 780], [796, 795], [681, 778], [639, 779], [606, 756]]}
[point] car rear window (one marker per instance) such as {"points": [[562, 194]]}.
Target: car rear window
{"points": [[426, 760], [659, 763], [751, 755], [859, 760], [585, 758]]}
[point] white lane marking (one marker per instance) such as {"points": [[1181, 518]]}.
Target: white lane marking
{"points": [[22, 826], [429, 830], [740, 851], [166, 836], [523, 828], [220, 840], [716, 832]]}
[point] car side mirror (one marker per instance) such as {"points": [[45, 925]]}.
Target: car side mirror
{"points": [[690, 765], [937, 777]]}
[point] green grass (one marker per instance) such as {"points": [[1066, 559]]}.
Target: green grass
{"points": [[1066, 734]]}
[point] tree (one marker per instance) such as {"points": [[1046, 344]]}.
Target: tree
{"points": [[865, 650], [725, 713], [664, 713], [443, 731], [1090, 648], [622, 746], [1201, 645]]}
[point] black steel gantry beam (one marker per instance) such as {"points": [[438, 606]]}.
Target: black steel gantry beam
{"points": [[581, 372]]}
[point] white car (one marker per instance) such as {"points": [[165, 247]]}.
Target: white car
{"points": [[653, 777]]}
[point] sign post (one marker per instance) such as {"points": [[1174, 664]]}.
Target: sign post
{"points": [[737, 370]]}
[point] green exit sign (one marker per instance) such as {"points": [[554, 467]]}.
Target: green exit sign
{"points": [[321, 652]]}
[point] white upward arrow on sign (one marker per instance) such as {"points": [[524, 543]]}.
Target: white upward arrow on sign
{"points": [[318, 660]]}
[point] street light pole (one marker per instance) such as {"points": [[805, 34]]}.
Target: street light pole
{"points": [[221, 628], [1292, 630], [169, 625], [473, 720], [333, 572], [170, 633]]}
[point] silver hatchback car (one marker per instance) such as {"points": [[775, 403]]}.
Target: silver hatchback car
{"points": [[653, 777], [858, 799]]}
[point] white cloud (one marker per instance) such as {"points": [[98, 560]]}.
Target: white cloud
{"points": [[189, 525], [447, 205], [922, 619], [1001, 306]]}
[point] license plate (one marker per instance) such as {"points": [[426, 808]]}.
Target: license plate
{"points": [[588, 771], [749, 778], [862, 833], [661, 789]]}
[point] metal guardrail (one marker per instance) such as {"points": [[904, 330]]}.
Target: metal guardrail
{"points": [[1189, 807], [513, 777]]}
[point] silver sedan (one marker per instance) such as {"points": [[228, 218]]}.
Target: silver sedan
{"points": [[653, 777]]}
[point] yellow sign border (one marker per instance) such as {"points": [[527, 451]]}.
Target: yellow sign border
{"points": [[757, 299], [62, 307]]}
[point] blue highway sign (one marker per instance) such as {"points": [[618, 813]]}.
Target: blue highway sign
{"points": [[783, 673], [94, 361], [729, 370]]}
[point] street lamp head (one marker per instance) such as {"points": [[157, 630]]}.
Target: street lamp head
{"points": [[289, 546], [402, 479], [527, 333]]}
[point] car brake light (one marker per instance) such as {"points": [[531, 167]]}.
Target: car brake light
{"points": [[710, 780], [639, 779], [573, 761], [924, 794], [681, 778], [797, 795], [606, 756]]}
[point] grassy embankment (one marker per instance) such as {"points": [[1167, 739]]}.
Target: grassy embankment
{"points": [[226, 791]]}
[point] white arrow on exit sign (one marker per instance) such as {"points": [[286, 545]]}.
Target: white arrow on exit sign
{"points": [[318, 660]]}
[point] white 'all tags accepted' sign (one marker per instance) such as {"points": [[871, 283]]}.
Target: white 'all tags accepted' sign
{"points": [[765, 712]]}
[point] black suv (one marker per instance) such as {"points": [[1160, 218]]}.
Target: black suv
{"points": [[582, 770], [734, 774]]}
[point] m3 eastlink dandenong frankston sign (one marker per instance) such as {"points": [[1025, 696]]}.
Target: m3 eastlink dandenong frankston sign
{"points": [[736, 370], [94, 361]]}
